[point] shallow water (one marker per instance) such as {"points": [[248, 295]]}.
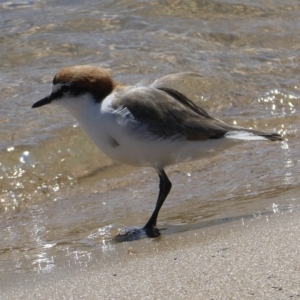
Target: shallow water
{"points": [[62, 199]]}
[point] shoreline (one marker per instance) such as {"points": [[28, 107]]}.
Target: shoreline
{"points": [[256, 258]]}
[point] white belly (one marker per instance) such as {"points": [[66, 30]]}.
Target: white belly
{"points": [[163, 152], [120, 145]]}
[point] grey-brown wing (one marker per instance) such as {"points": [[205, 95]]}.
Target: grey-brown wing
{"points": [[167, 113]]}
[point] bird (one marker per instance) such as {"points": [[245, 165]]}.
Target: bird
{"points": [[150, 126]]}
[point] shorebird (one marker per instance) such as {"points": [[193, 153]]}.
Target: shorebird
{"points": [[152, 126]]}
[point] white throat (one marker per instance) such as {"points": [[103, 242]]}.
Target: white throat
{"points": [[80, 107]]}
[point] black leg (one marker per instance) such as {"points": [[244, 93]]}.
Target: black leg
{"points": [[165, 186]]}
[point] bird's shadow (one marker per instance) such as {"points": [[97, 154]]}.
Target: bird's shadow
{"points": [[134, 234]]}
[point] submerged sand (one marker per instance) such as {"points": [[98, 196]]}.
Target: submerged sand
{"points": [[257, 258]]}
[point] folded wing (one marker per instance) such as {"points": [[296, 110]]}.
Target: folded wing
{"points": [[166, 113]]}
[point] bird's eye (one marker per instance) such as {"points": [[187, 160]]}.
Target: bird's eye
{"points": [[64, 88]]}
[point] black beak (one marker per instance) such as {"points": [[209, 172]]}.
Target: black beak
{"points": [[44, 101]]}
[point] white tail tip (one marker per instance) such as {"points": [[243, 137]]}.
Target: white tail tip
{"points": [[244, 135]]}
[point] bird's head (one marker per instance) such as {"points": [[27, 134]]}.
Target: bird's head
{"points": [[72, 86]]}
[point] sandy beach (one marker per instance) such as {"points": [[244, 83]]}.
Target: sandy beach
{"points": [[256, 258]]}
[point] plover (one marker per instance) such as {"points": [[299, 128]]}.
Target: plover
{"points": [[152, 126]]}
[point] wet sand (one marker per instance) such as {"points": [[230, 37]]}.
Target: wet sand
{"points": [[258, 258]]}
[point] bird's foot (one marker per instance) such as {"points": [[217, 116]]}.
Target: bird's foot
{"points": [[133, 234], [151, 231]]}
